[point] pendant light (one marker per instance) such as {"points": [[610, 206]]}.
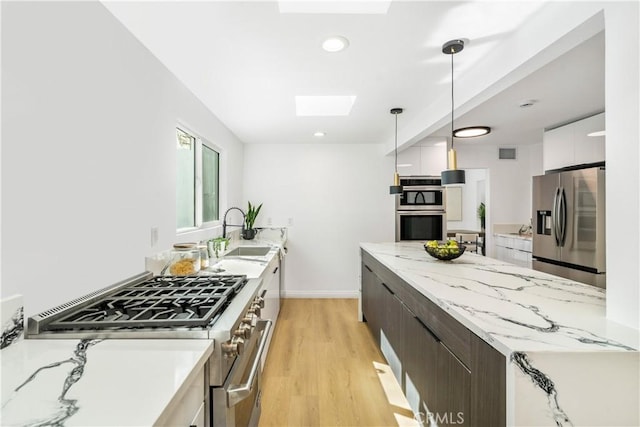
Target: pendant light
{"points": [[452, 175], [396, 188], [472, 131]]}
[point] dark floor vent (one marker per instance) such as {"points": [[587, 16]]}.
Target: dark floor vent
{"points": [[506, 153]]}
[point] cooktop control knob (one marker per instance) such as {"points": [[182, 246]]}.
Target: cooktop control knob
{"points": [[243, 331], [259, 301], [250, 319], [229, 349], [255, 309], [239, 343], [233, 347]]}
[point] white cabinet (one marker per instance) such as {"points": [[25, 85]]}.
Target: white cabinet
{"points": [[589, 149], [557, 148], [271, 294], [570, 145], [427, 160], [433, 160], [409, 161], [515, 250], [189, 409]]}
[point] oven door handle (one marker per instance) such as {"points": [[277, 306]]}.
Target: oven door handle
{"points": [[421, 212], [237, 393]]}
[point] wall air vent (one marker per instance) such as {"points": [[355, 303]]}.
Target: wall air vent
{"points": [[507, 154]]}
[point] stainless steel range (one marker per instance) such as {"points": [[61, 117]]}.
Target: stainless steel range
{"points": [[225, 309]]}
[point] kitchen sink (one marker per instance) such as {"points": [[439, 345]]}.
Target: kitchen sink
{"points": [[250, 268], [249, 251]]}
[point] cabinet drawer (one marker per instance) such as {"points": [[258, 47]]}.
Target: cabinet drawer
{"points": [[503, 254], [507, 242], [501, 241], [520, 256], [522, 245], [451, 332]]}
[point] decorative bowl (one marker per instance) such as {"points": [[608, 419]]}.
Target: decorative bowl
{"points": [[444, 252]]}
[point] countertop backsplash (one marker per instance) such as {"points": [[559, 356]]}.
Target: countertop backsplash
{"points": [[510, 228]]}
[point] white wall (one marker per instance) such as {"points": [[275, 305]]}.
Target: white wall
{"points": [[336, 195], [622, 99], [88, 151], [509, 182]]}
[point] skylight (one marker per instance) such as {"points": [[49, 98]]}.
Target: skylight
{"points": [[324, 105]]}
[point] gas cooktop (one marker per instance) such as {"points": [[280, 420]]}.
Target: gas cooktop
{"points": [[145, 302]]}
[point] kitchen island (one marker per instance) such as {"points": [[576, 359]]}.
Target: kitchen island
{"points": [[559, 360]]}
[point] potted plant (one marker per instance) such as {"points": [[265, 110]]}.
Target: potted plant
{"points": [[218, 245], [481, 215], [249, 220]]}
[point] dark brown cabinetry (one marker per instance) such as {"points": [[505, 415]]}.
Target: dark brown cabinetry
{"points": [[371, 294], [420, 363], [453, 382], [383, 314], [391, 326], [448, 372]]}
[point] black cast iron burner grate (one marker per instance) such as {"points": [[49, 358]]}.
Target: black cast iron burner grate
{"points": [[162, 301]]}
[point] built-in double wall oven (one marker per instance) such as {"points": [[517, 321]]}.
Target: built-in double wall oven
{"points": [[420, 209]]}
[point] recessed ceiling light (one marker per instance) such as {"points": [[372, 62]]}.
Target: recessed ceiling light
{"points": [[597, 133], [319, 134], [335, 44], [324, 105], [471, 132], [404, 165]]}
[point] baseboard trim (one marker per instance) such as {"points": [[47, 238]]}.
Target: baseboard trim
{"points": [[320, 294]]}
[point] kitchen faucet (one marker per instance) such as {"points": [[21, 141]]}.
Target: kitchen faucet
{"points": [[525, 229], [224, 221]]}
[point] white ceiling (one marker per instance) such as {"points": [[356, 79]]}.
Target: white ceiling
{"points": [[247, 61], [568, 88]]}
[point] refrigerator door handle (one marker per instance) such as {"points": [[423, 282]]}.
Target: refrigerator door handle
{"points": [[554, 217], [563, 216]]}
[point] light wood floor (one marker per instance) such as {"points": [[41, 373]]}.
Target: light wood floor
{"points": [[320, 369]]}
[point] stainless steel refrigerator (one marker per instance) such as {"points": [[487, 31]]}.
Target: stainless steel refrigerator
{"points": [[569, 225]]}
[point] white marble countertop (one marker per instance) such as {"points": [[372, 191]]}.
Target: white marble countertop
{"points": [[111, 382], [515, 235], [96, 382], [513, 308], [274, 237]]}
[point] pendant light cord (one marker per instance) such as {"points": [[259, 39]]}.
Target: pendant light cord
{"points": [[396, 141], [452, 107]]}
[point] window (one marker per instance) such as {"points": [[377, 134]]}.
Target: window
{"points": [[197, 184]]}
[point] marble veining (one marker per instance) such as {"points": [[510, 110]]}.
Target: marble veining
{"points": [[522, 312], [512, 307], [64, 408], [113, 382], [13, 328], [543, 382], [547, 326]]}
